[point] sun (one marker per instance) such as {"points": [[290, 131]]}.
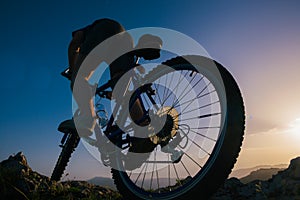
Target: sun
{"points": [[295, 128]]}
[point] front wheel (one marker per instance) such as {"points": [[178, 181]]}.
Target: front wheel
{"points": [[207, 128], [68, 148]]}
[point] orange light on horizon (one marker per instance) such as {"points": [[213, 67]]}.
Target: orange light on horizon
{"points": [[272, 147]]}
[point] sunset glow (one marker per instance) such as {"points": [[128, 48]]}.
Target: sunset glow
{"points": [[275, 146]]}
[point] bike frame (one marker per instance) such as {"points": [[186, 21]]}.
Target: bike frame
{"points": [[136, 96]]}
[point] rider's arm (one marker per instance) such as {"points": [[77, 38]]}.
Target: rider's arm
{"points": [[74, 47]]}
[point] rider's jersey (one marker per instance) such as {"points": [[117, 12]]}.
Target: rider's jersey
{"points": [[99, 31]]}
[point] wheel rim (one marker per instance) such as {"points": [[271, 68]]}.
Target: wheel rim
{"points": [[201, 127]]}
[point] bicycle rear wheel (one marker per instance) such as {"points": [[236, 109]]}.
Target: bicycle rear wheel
{"points": [[209, 131]]}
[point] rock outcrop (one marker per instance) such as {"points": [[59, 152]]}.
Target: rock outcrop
{"points": [[19, 181], [284, 185]]}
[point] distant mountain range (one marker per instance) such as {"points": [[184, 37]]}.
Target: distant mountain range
{"points": [[261, 174], [108, 182], [241, 173], [246, 175], [103, 181]]}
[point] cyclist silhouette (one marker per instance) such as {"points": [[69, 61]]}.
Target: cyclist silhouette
{"points": [[83, 42], [190, 107]]}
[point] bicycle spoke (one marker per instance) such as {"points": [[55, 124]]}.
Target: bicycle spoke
{"points": [[169, 86], [203, 135], [199, 108], [130, 173], [209, 115], [165, 99], [192, 160], [140, 173], [199, 146], [176, 174], [184, 94], [201, 116], [165, 89], [144, 175], [157, 178], [176, 88], [155, 85], [185, 168], [206, 127], [152, 174], [196, 97], [169, 171]]}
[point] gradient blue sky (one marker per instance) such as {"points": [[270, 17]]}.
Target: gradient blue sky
{"points": [[258, 41]]}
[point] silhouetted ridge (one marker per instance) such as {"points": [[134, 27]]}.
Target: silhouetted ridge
{"points": [[283, 185], [19, 181]]}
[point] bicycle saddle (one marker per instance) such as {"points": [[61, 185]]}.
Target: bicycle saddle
{"points": [[67, 126]]}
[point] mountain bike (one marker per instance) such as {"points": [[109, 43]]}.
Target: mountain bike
{"points": [[199, 111]]}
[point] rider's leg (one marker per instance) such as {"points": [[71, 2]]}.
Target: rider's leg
{"points": [[137, 113], [83, 95]]}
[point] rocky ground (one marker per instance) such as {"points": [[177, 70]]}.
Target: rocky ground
{"points": [[19, 181], [283, 185]]}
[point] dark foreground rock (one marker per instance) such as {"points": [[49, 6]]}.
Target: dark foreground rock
{"points": [[19, 181], [284, 185]]}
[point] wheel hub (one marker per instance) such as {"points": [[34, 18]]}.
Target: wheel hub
{"points": [[170, 126]]}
